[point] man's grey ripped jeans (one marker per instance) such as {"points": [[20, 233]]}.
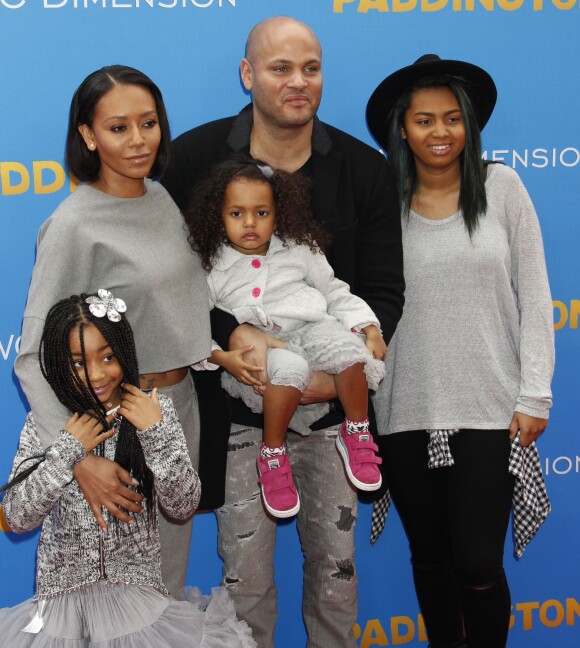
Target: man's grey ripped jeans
{"points": [[326, 527]]}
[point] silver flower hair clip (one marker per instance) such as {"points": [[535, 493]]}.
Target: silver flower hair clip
{"points": [[268, 171], [106, 304]]}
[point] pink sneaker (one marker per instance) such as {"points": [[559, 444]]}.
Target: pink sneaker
{"points": [[278, 490], [359, 458]]}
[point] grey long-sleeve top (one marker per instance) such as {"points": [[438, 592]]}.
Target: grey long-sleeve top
{"points": [[135, 247], [476, 340], [68, 555]]}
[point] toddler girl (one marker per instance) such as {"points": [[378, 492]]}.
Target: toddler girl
{"points": [[95, 588], [253, 229]]}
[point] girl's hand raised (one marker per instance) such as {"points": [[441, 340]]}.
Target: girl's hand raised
{"points": [[88, 430], [139, 408]]}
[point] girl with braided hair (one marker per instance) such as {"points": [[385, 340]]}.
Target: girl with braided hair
{"points": [[95, 587], [253, 229]]}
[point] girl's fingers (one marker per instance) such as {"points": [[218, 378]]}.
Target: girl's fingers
{"points": [[131, 389], [108, 434], [250, 380], [253, 368]]}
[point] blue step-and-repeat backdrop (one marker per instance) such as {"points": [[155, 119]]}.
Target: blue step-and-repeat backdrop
{"points": [[192, 49]]}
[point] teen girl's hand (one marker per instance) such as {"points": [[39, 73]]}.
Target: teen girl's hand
{"points": [[235, 363], [88, 430], [530, 427], [139, 408], [374, 342]]}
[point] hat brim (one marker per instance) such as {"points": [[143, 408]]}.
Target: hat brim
{"points": [[479, 85]]}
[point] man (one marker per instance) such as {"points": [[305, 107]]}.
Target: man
{"points": [[354, 197]]}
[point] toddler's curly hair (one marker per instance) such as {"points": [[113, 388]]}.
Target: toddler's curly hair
{"points": [[294, 219]]}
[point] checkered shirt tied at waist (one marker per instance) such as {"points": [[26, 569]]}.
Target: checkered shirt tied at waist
{"points": [[530, 499]]}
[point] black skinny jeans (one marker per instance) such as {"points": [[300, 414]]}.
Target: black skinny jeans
{"points": [[456, 521]]}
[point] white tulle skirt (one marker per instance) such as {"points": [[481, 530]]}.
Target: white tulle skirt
{"points": [[107, 615], [326, 346]]}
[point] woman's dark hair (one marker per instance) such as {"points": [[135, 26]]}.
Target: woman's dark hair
{"points": [[85, 164], [472, 198], [294, 219], [58, 367]]}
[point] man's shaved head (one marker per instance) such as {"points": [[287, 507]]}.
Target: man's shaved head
{"points": [[270, 29]]}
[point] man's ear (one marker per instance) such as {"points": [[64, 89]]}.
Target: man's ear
{"points": [[246, 74]]}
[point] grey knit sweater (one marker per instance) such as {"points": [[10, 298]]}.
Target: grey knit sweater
{"points": [[135, 247], [69, 554], [476, 340]]}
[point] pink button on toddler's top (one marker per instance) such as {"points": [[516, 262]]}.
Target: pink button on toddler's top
{"points": [[256, 263], [256, 292]]}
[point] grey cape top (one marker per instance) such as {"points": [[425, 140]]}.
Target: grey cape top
{"points": [[69, 555], [135, 247]]}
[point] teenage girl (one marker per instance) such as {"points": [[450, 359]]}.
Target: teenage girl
{"points": [[470, 365], [95, 587], [253, 229]]}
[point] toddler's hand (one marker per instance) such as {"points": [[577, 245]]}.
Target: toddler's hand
{"points": [[88, 430], [138, 408], [374, 342]]}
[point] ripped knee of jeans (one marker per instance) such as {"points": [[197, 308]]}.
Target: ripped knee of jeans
{"points": [[346, 518], [482, 587], [345, 570]]}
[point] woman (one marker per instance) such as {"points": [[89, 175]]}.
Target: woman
{"points": [[470, 365], [122, 230]]}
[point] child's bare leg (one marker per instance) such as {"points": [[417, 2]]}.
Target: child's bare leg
{"points": [[354, 442], [280, 403], [289, 374], [353, 393]]}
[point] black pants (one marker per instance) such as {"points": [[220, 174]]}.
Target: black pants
{"points": [[456, 521]]}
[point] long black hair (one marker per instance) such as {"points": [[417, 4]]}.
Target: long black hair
{"points": [[58, 367], [85, 164], [472, 198]]}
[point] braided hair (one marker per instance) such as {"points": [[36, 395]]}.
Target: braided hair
{"points": [[58, 367]]}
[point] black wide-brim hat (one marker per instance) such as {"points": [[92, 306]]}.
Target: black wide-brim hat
{"points": [[478, 84]]}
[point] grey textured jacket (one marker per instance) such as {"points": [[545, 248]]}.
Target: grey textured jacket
{"points": [[69, 553]]}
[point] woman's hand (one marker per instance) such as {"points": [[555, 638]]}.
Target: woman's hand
{"points": [[235, 363], [88, 430], [530, 428], [139, 408], [374, 342], [104, 483]]}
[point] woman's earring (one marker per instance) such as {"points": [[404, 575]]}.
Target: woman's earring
{"points": [[92, 145], [403, 134]]}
